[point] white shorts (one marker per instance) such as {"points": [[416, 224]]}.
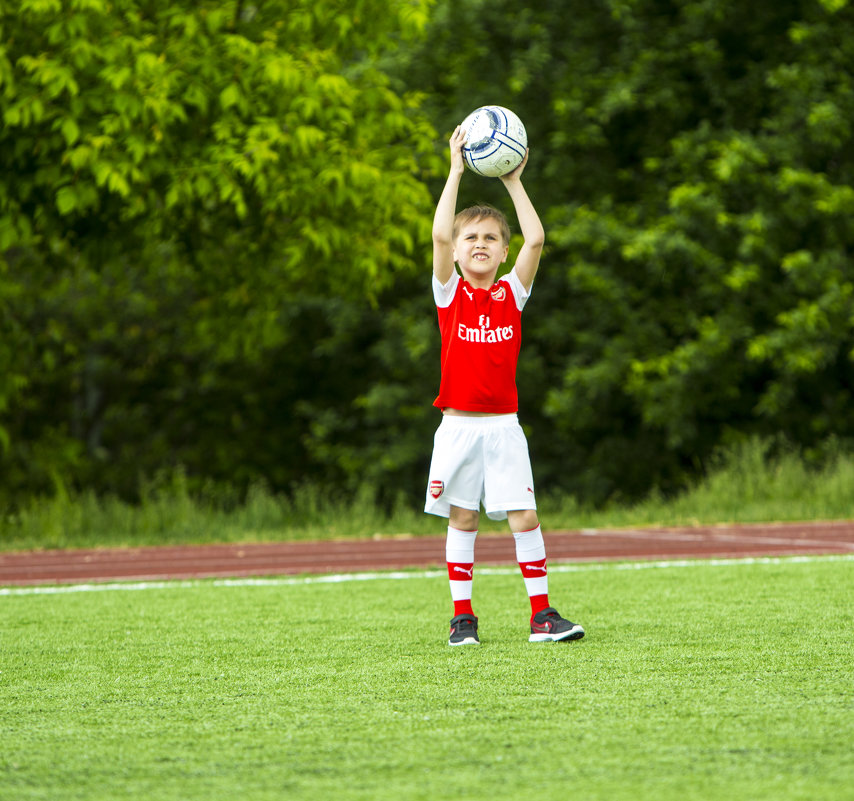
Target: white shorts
{"points": [[480, 460]]}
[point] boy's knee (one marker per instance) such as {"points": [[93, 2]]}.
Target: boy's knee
{"points": [[523, 520], [464, 519]]}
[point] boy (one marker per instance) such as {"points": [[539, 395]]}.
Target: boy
{"points": [[480, 453]]}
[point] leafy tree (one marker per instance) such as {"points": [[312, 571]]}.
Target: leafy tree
{"points": [[693, 162], [200, 201], [381, 437], [175, 177]]}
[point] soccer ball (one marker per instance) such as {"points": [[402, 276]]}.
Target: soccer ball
{"points": [[496, 141]]}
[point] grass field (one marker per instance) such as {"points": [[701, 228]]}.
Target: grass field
{"points": [[703, 680]]}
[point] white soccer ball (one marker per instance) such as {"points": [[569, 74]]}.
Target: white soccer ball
{"points": [[496, 141]]}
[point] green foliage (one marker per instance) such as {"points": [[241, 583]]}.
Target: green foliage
{"points": [[692, 161], [179, 182], [758, 481], [214, 225]]}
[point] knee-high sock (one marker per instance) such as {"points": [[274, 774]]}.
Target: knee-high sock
{"points": [[531, 555], [459, 554]]}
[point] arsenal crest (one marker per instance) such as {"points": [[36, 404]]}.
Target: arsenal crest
{"points": [[437, 488], [498, 292]]}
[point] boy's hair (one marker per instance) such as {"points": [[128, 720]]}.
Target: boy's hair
{"points": [[475, 213]]}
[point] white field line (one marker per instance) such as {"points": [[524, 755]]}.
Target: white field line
{"points": [[343, 578]]}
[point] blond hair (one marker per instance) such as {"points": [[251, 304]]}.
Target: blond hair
{"points": [[476, 213]]}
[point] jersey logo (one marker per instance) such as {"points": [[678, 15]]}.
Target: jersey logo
{"points": [[498, 292], [468, 292], [483, 333], [437, 488]]}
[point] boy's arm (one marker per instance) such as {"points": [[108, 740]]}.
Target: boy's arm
{"points": [[443, 220], [532, 229]]}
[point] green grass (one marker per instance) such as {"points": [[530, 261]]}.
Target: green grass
{"points": [[744, 486], [702, 681]]}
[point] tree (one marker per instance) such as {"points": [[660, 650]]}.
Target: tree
{"points": [[693, 162], [173, 175]]}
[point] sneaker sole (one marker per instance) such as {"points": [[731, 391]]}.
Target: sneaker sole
{"points": [[466, 641], [575, 633]]}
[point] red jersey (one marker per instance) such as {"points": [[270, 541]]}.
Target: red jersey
{"points": [[481, 335]]}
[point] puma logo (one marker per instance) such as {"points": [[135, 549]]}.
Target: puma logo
{"points": [[469, 572]]}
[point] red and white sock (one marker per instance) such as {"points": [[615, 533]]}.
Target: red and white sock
{"points": [[459, 554], [531, 555]]}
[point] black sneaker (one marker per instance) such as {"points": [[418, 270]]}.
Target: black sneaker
{"points": [[463, 630], [547, 624]]}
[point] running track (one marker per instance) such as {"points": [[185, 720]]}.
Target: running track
{"points": [[291, 558]]}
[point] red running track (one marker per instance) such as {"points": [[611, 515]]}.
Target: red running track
{"points": [[291, 558]]}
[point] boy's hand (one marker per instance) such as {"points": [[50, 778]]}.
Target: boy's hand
{"points": [[457, 141], [516, 174]]}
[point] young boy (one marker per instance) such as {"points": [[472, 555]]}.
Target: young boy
{"points": [[480, 453]]}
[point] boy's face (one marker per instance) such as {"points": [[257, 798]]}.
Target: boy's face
{"points": [[479, 249]]}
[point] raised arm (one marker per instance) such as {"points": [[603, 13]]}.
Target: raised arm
{"points": [[532, 229], [443, 220]]}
